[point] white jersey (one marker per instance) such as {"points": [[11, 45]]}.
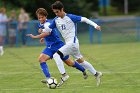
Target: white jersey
{"points": [[67, 26]]}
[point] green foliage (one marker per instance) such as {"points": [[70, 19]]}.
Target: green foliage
{"points": [[132, 4], [79, 7]]}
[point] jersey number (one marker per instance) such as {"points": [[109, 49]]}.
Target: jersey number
{"points": [[63, 27]]}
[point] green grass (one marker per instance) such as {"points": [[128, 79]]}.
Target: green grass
{"points": [[20, 71]]}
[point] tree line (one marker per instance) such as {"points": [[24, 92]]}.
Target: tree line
{"points": [[79, 7]]}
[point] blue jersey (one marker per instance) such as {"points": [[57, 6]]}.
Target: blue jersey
{"points": [[53, 38], [53, 42]]}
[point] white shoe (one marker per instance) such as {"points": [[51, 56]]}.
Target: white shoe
{"points": [[44, 81], [1, 52], [63, 79], [98, 77]]}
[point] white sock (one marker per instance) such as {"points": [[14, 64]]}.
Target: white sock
{"points": [[1, 48], [88, 66], [59, 63]]}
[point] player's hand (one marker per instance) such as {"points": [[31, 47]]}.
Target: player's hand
{"points": [[42, 40], [98, 28], [39, 30], [30, 35]]}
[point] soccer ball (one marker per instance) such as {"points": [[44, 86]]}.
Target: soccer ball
{"points": [[52, 83]]}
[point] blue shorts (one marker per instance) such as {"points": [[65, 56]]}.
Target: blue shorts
{"points": [[53, 49]]}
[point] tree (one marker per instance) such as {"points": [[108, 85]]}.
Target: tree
{"points": [[133, 5], [79, 7]]}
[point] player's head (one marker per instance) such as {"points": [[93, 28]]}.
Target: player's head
{"points": [[41, 14], [58, 8], [3, 10]]}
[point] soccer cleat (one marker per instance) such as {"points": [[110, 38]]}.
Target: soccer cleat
{"points": [[63, 79], [44, 81], [98, 77], [85, 75]]}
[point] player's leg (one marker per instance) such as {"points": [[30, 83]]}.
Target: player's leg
{"points": [[79, 58], [76, 65], [72, 64], [42, 59], [61, 67], [48, 53], [66, 50], [77, 55], [44, 56], [68, 61], [51, 51], [88, 66], [59, 64], [1, 46]]}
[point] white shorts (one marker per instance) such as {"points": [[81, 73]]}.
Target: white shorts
{"points": [[71, 49]]}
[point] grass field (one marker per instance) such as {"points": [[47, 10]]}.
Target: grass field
{"points": [[120, 63]]}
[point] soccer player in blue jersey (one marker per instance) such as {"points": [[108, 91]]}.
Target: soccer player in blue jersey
{"points": [[65, 23], [53, 43]]}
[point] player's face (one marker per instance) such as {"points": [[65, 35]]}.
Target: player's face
{"points": [[41, 18], [58, 12]]}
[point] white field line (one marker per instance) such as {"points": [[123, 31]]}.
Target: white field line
{"points": [[8, 89], [7, 73], [23, 89]]}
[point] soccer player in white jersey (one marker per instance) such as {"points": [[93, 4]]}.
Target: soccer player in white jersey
{"points": [[65, 23], [53, 43]]}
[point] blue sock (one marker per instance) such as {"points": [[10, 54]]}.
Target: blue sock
{"points": [[45, 69], [78, 66]]}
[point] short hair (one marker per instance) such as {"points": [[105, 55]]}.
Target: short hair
{"points": [[2, 10], [41, 11], [57, 5]]}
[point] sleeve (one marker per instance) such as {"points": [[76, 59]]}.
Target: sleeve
{"points": [[84, 19], [75, 18], [39, 26], [47, 29], [50, 27]]}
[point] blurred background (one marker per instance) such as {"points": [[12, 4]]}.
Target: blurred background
{"points": [[119, 19]]}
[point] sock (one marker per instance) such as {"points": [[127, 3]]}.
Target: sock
{"points": [[45, 69], [78, 66], [59, 63], [1, 48], [88, 66]]}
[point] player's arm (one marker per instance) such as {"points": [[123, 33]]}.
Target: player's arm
{"points": [[50, 27], [76, 18], [84, 19], [42, 35], [41, 40], [45, 30]]}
